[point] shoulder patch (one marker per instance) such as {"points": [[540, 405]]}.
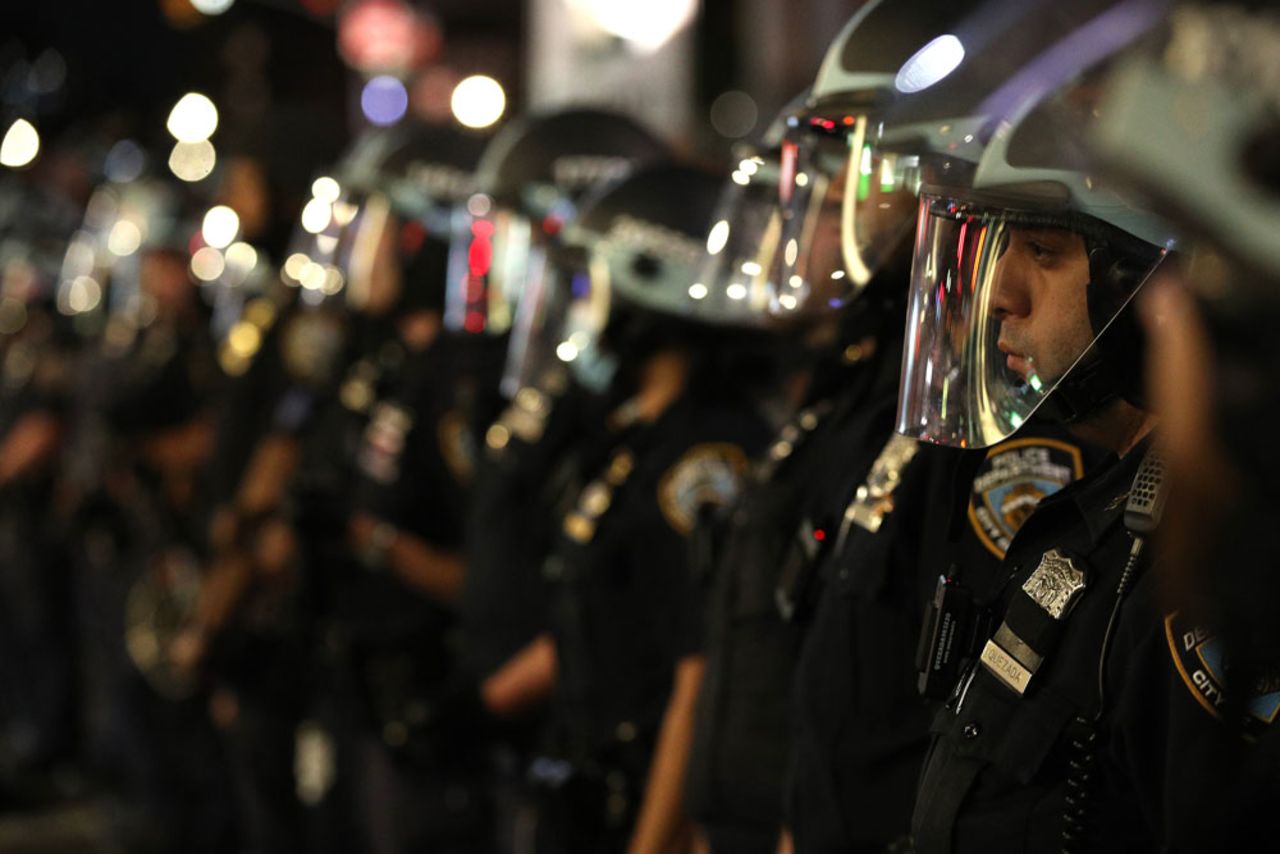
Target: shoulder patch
{"points": [[707, 474], [1200, 660], [1012, 480]]}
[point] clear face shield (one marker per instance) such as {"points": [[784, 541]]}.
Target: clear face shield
{"points": [[347, 246], [745, 236], [493, 252], [1005, 302], [560, 319], [845, 203]]}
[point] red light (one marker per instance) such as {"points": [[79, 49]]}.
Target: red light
{"points": [[819, 535], [551, 226], [482, 229], [480, 257], [474, 322], [848, 120]]}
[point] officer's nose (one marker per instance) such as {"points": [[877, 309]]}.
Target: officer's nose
{"points": [[1011, 297]]}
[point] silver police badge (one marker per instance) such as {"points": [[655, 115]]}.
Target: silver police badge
{"points": [[1056, 584]]}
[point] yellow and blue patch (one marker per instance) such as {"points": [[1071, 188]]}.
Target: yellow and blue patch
{"points": [[1013, 479], [1200, 660]]}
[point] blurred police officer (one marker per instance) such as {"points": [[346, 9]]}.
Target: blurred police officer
{"points": [[531, 179], [1209, 327], [625, 618]]}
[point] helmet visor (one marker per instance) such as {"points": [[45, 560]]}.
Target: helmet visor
{"points": [[346, 247], [846, 203], [560, 318], [1005, 303], [493, 252], [744, 238]]}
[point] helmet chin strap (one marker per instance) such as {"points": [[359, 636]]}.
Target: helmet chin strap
{"points": [[1084, 391], [1113, 367]]}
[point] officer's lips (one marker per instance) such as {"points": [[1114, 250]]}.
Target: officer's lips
{"points": [[1017, 362]]}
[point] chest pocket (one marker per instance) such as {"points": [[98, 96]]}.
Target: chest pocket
{"points": [[1015, 735]]}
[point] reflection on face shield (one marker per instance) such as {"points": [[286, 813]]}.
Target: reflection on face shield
{"points": [[846, 206], [492, 254], [374, 280]]}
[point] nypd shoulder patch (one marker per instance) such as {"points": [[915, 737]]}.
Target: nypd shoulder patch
{"points": [[706, 474], [1200, 660], [1012, 480]]}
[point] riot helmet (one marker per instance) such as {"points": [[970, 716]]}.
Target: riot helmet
{"points": [[1025, 263], [376, 231], [507, 248], [644, 243]]}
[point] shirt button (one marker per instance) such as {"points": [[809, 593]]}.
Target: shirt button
{"points": [[972, 731]]}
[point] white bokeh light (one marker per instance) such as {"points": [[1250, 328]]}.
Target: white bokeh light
{"points": [[326, 189], [193, 161], [193, 118], [212, 7], [21, 144], [220, 227], [478, 101], [316, 215]]}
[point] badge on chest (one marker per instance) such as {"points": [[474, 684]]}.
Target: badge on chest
{"points": [[1034, 620]]}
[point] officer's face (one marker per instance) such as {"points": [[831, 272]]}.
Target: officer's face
{"points": [[1040, 300]]}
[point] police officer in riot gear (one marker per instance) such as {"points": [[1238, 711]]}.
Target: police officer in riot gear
{"points": [[1024, 268], [331, 522], [1209, 328], [625, 606], [531, 179], [782, 219]]}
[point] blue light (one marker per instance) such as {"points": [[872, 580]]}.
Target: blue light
{"points": [[384, 100]]}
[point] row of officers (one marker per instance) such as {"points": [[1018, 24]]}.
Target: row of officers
{"points": [[906, 490]]}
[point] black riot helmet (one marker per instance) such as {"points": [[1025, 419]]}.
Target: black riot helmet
{"points": [[529, 182], [377, 230]]}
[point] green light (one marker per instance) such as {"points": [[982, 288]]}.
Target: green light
{"points": [[888, 178], [864, 174], [1035, 383], [1016, 420]]}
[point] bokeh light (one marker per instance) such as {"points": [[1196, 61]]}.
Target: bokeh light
{"points": [[212, 7], [220, 226], [21, 144], [384, 100], [193, 161], [478, 101], [193, 118]]}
